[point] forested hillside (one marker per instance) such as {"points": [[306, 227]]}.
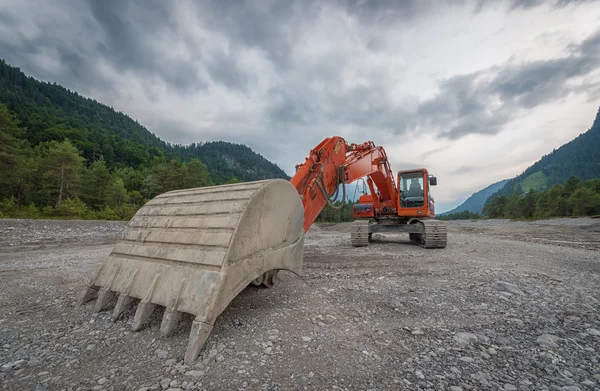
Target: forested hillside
{"points": [[563, 183], [228, 160], [64, 155], [51, 112], [580, 158]]}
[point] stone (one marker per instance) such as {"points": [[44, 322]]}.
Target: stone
{"points": [[510, 387], [102, 380], [195, 373], [162, 353], [164, 383], [465, 338], [504, 286], [456, 388], [548, 340], [306, 339], [593, 332]]}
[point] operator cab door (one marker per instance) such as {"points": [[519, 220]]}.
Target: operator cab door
{"points": [[415, 199]]}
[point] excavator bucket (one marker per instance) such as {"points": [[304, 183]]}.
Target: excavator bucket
{"points": [[193, 251]]}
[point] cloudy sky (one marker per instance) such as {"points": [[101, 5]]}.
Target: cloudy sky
{"points": [[474, 90]]}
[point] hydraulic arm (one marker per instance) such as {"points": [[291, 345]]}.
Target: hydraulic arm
{"points": [[335, 163]]}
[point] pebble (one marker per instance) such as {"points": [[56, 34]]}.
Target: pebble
{"points": [[456, 388], [306, 339], [465, 338], [195, 373], [593, 332], [102, 380], [510, 387], [548, 340], [162, 353], [164, 383], [504, 286], [419, 374]]}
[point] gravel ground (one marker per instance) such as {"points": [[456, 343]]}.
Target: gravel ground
{"points": [[507, 305]]}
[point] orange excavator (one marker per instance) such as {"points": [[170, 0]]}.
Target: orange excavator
{"points": [[387, 208], [192, 251]]}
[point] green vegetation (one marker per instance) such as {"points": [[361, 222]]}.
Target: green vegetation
{"points": [[52, 179], [464, 215], [332, 215], [66, 156], [574, 198], [536, 181]]}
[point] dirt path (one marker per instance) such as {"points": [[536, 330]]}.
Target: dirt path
{"points": [[504, 306]]}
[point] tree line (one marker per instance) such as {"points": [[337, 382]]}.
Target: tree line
{"points": [[573, 198], [54, 179]]}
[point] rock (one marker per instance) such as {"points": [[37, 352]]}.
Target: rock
{"points": [[417, 332], [456, 388], [504, 286], [174, 389], [144, 389], [102, 380], [548, 340], [510, 387], [171, 361], [492, 351], [466, 359], [419, 374], [162, 353], [593, 332], [465, 338], [220, 358], [570, 388], [164, 383], [306, 339], [195, 373]]}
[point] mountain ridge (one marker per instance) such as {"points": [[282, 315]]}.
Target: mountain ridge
{"points": [[475, 202], [579, 157], [49, 111]]}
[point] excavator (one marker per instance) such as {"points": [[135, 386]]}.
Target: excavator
{"points": [[192, 251]]}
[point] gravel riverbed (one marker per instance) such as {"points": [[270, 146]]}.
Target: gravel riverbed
{"points": [[505, 306]]}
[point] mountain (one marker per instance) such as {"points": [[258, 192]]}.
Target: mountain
{"points": [[579, 157], [475, 202], [51, 112], [228, 160]]}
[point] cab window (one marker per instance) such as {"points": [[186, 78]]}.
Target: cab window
{"points": [[412, 193]]}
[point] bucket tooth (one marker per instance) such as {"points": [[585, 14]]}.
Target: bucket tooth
{"points": [[122, 303], [169, 322], [193, 251], [143, 312], [105, 296], [88, 294], [198, 336]]}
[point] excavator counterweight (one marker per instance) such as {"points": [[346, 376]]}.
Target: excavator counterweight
{"points": [[194, 250]]}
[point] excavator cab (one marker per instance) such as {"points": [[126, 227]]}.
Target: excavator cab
{"points": [[415, 195]]}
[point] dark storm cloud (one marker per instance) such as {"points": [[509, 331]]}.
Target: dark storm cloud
{"points": [[554, 3], [485, 101], [139, 38]]}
